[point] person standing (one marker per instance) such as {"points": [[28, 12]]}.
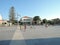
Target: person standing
{"points": [[24, 27], [20, 27]]}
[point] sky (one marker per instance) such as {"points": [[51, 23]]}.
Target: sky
{"points": [[48, 9]]}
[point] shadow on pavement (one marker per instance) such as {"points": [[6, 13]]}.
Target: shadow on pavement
{"points": [[47, 41]]}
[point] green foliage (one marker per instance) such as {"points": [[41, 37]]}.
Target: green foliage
{"points": [[36, 19], [50, 22], [56, 21], [44, 20]]}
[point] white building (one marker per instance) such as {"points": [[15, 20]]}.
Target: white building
{"points": [[26, 20], [1, 20]]}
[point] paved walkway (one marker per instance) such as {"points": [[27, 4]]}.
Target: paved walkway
{"points": [[37, 32], [41, 32], [18, 36]]}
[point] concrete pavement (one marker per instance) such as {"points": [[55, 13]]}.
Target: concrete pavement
{"points": [[36, 32]]}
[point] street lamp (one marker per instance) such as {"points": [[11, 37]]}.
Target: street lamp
{"points": [[18, 21], [18, 18]]}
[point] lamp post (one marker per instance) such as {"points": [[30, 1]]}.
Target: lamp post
{"points": [[18, 18], [18, 21]]}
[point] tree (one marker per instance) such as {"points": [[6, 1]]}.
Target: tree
{"points": [[36, 19], [56, 21], [12, 15], [50, 22], [45, 21]]}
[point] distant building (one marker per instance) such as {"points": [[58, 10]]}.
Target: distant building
{"points": [[3, 22], [26, 20]]}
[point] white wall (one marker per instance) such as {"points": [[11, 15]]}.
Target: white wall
{"points": [[26, 19]]}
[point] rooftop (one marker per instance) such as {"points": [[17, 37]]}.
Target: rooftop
{"points": [[25, 17]]}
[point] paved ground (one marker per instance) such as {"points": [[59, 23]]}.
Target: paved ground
{"points": [[36, 34]]}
